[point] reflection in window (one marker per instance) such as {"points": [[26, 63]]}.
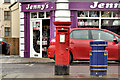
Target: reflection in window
{"points": [[106, 14], [82, 13], [6, 1], [36, 36], [102, 35], [34, 15], [41, 14], [7, 31], [7, 15], [47, 14], [94, 14], [116, 13], [79, 34]]}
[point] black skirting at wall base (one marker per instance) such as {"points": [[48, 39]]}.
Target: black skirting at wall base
{"points": [[61, 69]]}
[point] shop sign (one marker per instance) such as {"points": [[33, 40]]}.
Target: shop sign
{"points": [[38, 7], [104, 5], [97, 6], [41, 7]]}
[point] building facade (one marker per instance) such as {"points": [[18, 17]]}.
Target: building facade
{"points": [[9, 24], [36, 20]]}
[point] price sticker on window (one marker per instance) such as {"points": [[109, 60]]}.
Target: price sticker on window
{"points": [[62, 38]]}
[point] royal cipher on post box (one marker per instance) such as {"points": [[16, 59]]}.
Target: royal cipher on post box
{"points": [[62, 46]]}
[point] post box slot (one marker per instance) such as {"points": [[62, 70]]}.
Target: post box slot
{"points": [[62, 31]]}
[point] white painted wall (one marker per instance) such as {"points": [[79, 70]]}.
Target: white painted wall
{"points": [[21, 40], [62, 12]]}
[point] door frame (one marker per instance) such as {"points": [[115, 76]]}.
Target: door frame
{"points": [[32, 51]]}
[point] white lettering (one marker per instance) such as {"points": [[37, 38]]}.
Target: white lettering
{"points": [[35, 7], [119, 6], [42, 7], [101, 5], [105, 5], [109, 5], [116, 5], [28, 6], [47, 6], [94, 5], [31, 7], [39, 6]]}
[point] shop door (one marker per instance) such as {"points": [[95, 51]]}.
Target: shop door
{"points": [[36, 38]]}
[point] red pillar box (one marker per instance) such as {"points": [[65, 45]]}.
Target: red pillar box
{"points": [[62, 47]]}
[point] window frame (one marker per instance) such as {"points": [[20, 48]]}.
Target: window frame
{"points": [[5, 1], [8, 31], [7, 15]]}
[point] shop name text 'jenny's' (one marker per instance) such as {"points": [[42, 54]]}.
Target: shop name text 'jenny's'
{"points": [[42, 6], [105, 5]]}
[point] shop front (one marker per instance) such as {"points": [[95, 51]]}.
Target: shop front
{"points": [[103, 15], [38, 20], [38, 27]]}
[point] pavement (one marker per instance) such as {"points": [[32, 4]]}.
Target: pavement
{"points": [[19, 60]]}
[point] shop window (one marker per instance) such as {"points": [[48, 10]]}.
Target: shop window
{"points": [[110, 22], [116, 13], [41, 14], [93, 13], [88, 22], [7, 15], [6, 1], [91, 19], [34, 15], [106, 14], [47, 14], [82, 13], [7, 31]]}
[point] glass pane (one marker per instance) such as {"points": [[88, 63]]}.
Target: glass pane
{"points": [[36, 36], [80, 34], [48, 14], [9, 13], [5, 13], [41, 14], [7, 1], [9, 17], [106, 14], [116, 13], [5, 17], [88, 22], [102, 35], [34, 15], [110, 22], [82, 13], [94, 14]]}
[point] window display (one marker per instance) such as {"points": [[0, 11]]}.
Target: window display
{"points": [[82, 13], [94, 14], [87, 22], [108, 20], [47, 14], [36, 36], [106, 14], [116, 13], [41, 14], [45, 36], [34, 15]]}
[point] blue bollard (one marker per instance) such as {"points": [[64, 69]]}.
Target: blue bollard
{"points": [[98, 58]]}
